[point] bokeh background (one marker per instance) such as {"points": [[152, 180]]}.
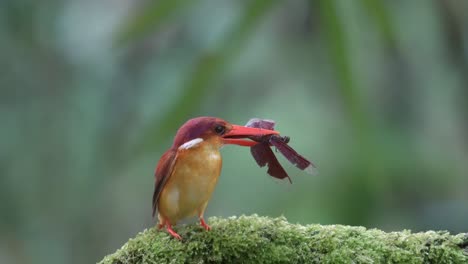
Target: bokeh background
{"points": [[374, 92]]}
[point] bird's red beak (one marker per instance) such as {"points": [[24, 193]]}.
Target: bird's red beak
{"points": [[237, 133]]}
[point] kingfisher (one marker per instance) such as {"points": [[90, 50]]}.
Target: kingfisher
{"points": [[187, 173]]}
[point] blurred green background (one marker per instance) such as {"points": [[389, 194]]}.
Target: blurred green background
{"points": [[374, 92]]}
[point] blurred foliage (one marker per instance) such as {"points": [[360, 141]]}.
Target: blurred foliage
{"points": [[207, 67], [373, 91], [150, 18]]}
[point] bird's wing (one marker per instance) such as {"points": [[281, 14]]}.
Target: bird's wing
{"points": [[163, 172]]}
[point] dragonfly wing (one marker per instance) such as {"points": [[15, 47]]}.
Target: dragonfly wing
{"points": [[292, 155], [263, 155], [261, 123]]}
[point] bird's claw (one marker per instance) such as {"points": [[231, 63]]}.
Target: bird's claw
{"points": [[173, 233], [204, 224]]}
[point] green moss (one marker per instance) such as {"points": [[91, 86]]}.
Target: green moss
{"points": [[254, 239]]}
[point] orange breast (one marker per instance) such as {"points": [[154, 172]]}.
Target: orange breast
{"points": [[192, 182]]}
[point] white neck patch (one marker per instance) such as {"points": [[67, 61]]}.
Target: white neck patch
{"points": [[192, 143]]}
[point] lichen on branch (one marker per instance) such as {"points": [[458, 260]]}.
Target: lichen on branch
{"points": [[254, 239]]}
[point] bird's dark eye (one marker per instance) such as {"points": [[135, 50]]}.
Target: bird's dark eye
{"points": [[219, 129]]}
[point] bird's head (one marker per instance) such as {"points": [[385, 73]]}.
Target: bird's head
{"points": [[217, 132]]}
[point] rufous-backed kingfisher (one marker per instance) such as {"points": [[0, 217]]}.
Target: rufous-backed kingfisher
{"points": [[187, 173]]}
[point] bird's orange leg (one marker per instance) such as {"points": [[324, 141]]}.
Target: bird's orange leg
{"points": [[204, 224], [172, 232], [162, 222], [201, 212], [161, 225]]}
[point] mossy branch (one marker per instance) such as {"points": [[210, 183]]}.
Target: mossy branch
{"points": [[254, 239]]}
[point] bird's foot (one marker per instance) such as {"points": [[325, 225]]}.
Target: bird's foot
{"points": [[204, 224], [159, 226], [172, 232]]}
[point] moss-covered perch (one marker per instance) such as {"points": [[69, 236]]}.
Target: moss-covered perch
{"points": [[253, 239]]}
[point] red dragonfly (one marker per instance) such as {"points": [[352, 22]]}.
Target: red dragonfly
{"points": [[263, 154]]}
